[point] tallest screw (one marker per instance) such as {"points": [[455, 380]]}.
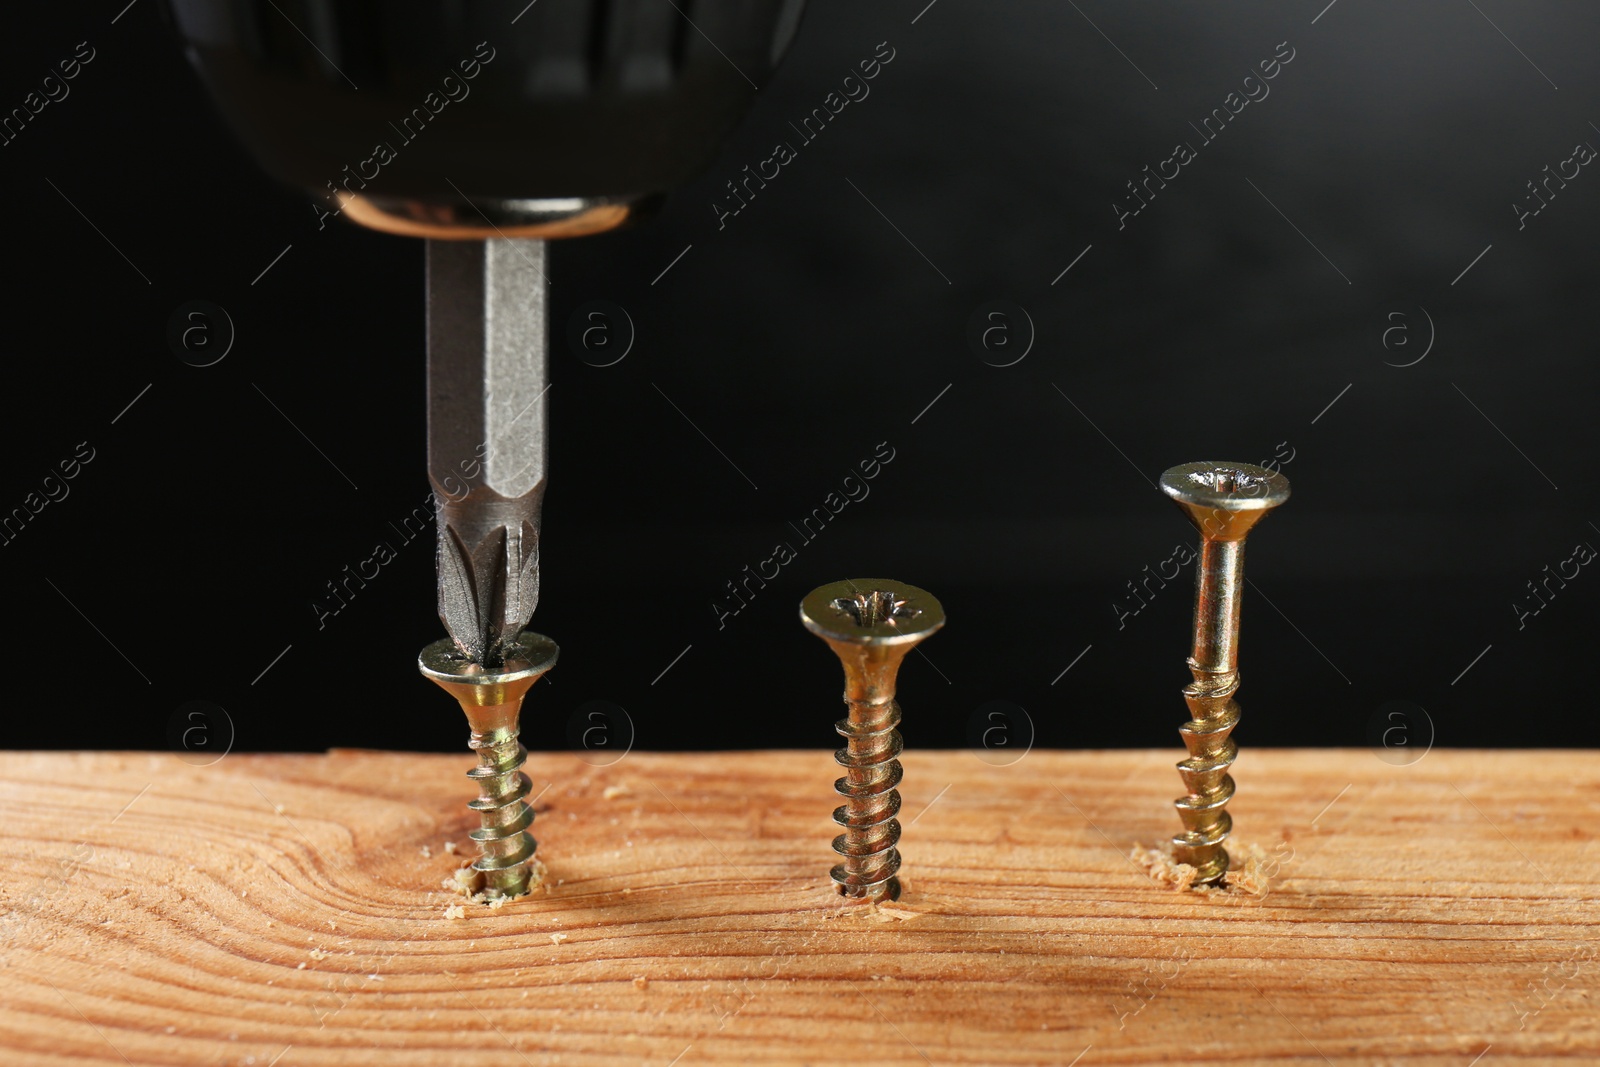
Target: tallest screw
{"points": [[1224, 501]]}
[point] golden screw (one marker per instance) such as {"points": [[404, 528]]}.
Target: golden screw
{"points": [[870, 623], [492, 699], [1224, 501]]}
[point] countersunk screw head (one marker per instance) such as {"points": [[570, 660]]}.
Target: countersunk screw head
{"points": [[491, 696], [871, 611], [529, 656], [1224, 500]]}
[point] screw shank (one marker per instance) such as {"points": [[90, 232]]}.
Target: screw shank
{"points": [[870, 671], [868, 848], [1219, 582], [1219, 586]]}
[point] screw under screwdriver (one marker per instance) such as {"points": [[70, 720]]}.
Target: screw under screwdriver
{"points": [[870, 623], [1224, 501], [492, 699]]}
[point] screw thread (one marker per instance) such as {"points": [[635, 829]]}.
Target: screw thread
{"points": [[867, 847], [1213, 714], [507, 847]]}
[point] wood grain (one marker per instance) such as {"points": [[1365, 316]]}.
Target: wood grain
{"points": [[280, 910]]}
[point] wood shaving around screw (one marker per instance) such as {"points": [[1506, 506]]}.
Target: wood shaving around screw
{"points": [[612, 792], [464, 881], [450, 847], [557, 938], [1246, 879], [468, 882], [455, 911], [876, 913]]}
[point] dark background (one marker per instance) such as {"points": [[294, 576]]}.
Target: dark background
{"points": [[1221, 322]]}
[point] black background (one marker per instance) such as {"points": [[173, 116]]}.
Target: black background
{"points": [[1220, 322]]}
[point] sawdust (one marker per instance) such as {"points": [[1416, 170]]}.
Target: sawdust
{"points": [[1162, 868], [464, 881], [1246, 876], [875, 913], [536, 873], [1249, 878], [467, 882]]}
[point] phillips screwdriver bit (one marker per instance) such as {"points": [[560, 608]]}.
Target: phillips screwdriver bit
{"points": [[486, 435]]}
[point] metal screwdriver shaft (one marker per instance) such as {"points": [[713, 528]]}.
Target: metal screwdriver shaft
{"points": [[870, 623], [486, 435], [1224, 501]]}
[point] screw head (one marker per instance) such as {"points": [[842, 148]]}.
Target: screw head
{"points": [[1224, 500], [491, 697], [871, 611], [529, 656]]}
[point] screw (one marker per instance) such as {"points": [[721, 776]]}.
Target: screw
{"points": [[492, 699], [870, 623], [1223, 500]]}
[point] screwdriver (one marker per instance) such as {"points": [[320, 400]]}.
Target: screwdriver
{"points": [[486, 129]]}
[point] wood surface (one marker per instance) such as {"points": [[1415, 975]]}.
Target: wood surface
{"points": [[280, 910]]}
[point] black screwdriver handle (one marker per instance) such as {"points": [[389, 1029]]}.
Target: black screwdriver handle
{"points": [[451, 98]]}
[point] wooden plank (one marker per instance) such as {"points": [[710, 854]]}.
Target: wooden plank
{"points": [[280, 910]]}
